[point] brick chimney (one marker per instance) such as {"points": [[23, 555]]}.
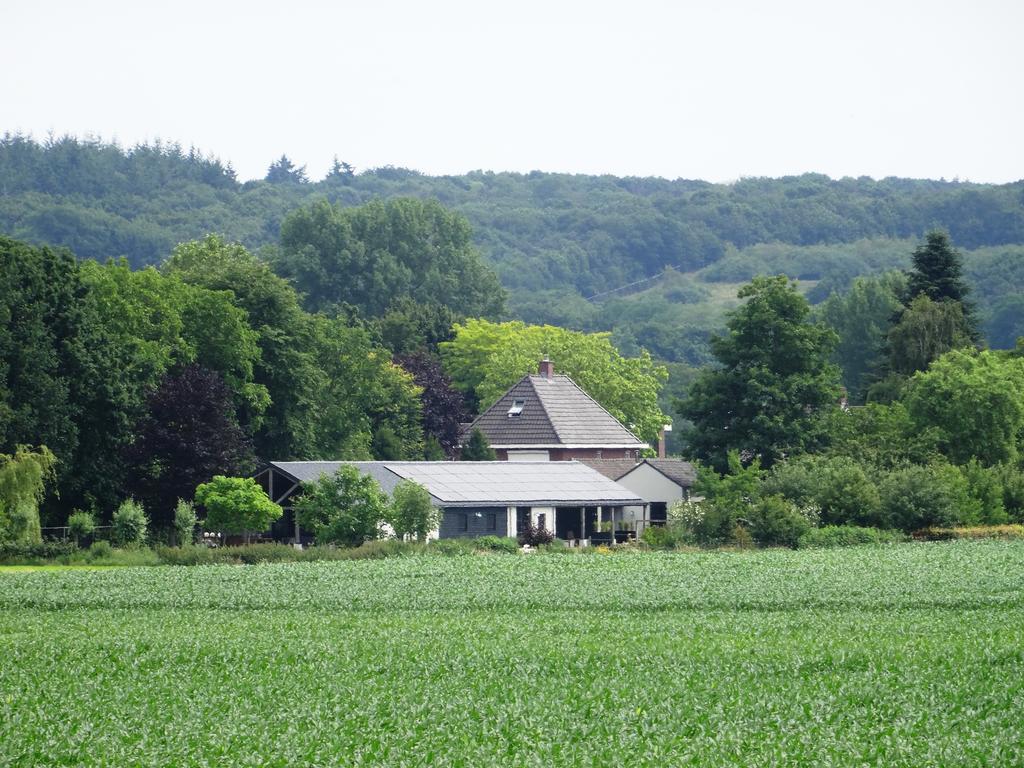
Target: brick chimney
{"points": [[546, 368]]}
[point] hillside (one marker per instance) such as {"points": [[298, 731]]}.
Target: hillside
{"points": [[555, 240]]}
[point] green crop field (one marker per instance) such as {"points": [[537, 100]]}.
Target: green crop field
{"points": [[909, 655]]}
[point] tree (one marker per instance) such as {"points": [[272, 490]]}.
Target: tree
{"points": [[412, 512], [187, 435], [23, 479], [975, 401], [938, 274], [236, 505], [345, 508], [130, 524], [367, 257], [284, 171], [926, 330], [477, 448], [184, 522], [444, 409], [485, 359], [80, 526], [773, 383], [861, 317]]}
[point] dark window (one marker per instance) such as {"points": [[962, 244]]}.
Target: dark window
{"points": [[542, 520], [492, 521], [464, 522]]}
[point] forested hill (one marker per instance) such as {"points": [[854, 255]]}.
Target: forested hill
{"points": [[553, 238]]}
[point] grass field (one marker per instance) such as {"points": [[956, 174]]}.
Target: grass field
{"points": [[909, 655]]}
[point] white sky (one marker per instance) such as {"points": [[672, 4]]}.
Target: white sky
{"points": [[713, 90]]}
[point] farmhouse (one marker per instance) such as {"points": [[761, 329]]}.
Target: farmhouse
{"points": [[573, 501], [548, 417]]}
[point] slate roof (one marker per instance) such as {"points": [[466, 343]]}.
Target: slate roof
{"points": [[678, 471], [556, 412], [484, 483]]}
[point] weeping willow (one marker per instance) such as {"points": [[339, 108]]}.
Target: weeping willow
{"points": [[23, 478]]}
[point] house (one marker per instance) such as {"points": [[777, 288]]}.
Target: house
{"points": [[548, 417], [659, 482], [497, 498]]}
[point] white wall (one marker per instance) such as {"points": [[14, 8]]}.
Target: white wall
{"points": [[650, 485], [529, 456], [549, 517]]}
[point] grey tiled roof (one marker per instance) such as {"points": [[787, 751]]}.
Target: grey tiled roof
{"points": [[678, 471], [555, 412], [485, 483]]}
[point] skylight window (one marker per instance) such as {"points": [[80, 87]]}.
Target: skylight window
{"points": [[517, 408]]}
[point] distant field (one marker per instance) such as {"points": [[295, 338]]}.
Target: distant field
{"points": [[909, 655]]}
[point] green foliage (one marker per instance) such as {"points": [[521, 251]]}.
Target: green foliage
{"points": [[669, 536], [184, 522], [130, 524], [985, 488], [881, 436], [917, 497], [81, 525], [477, 448], [938, 274], [925, 331], [861, 318], [236, 505], [831, 536], [774, 521], [100, 550], [837, 486], [975, 401], [23, 479], [412, 512], [502, 544], [485, 359], [345, 508], [399, 248], [773, 382]]}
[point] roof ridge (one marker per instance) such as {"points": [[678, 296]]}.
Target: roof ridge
{"points": [[587, 395]]}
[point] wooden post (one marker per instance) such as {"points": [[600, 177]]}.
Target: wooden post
{"points": [[583, 523]]}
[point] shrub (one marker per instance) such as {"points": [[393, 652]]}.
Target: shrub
{"points": [[776, 521], [236, 505], [918, 497], [129, 524], [667, 536], [345, 508], [184, 523], [715, 524], [81, 525], [972, 532], [24, 553], [100, 550], [497, 544], [411, 512], [985, 488], [534, 536], [830, 536], [1012, 481], [837, 485], [452, 547]]}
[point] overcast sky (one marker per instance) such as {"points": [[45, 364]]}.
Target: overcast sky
{"points": [[711, 90]]}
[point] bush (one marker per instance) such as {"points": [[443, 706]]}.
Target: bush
{"points": [[971, 532], [411, 512], [32, 554], [715, 523], [830, 536], [345, 508], [184, 523], [667, 536], [1012, 481], [100, 550], [129, 524], [81, 525], [837, 485], [450, 547], [918, 497], [497, 544], [776, 521], [534, 536]]}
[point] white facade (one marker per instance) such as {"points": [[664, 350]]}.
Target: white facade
{"points": [[514, 455], [651, 486]]}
